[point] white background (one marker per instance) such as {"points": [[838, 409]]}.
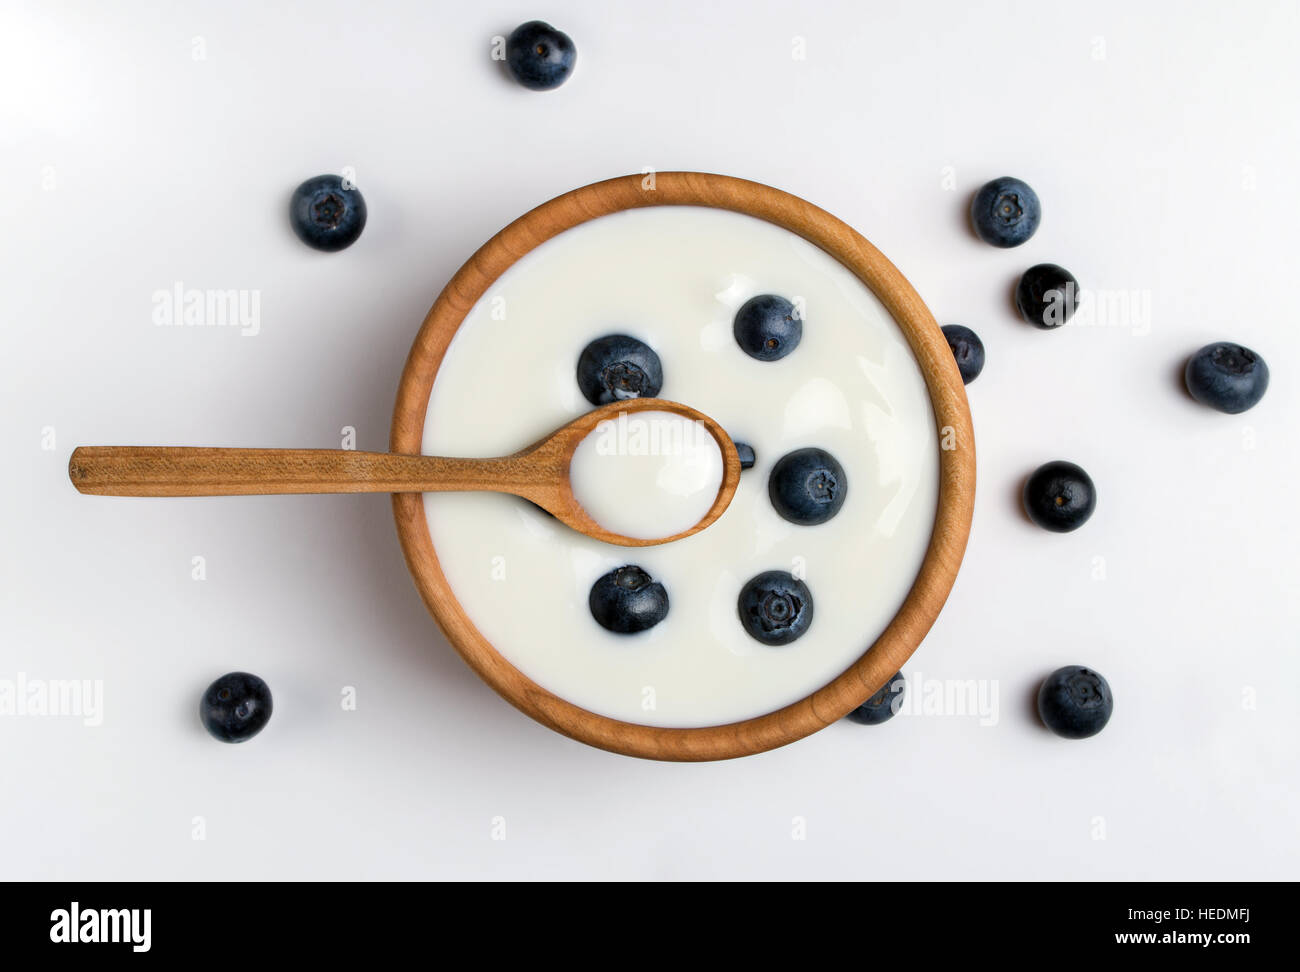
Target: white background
{"points": [[1162, 139]]}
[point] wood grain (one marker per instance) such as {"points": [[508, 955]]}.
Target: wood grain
{"points": [[953, 429], [539, 472]]}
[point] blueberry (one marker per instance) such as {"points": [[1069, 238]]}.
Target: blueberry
{"points": [[1047, 295], [807, 486], [1075, 702], [236, 707], [616, 367], [1060, 496], [882, 706], [775, 607], [1227, 377], [628, 600], [1005, 212], [326, 214], [746, 453], [767, 327], [539, 56], [968, 349]]}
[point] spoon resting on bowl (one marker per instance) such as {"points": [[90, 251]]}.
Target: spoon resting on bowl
{"points": [[540, 472]]}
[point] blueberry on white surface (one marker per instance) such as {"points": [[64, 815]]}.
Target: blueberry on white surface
{"points": [[327, 213], [967, 349], [882, 706], [236, 707], [1059, 496], [1047, 295], [1005, 212], [1075, 702], [1227, 377], [540, 57]]}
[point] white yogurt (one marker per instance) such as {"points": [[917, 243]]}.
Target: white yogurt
{"points": [[648, 475], [674, 277]]}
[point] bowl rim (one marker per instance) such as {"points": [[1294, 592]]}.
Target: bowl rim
{"points": [[954, 430]]}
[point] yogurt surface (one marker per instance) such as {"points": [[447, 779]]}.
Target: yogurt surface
{"points": [[674, 276], [648, 475]]}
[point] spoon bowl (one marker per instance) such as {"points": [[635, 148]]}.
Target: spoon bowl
{"points": [[554, 491]]}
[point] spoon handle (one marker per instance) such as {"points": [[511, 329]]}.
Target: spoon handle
{"points": [[182, 471]]}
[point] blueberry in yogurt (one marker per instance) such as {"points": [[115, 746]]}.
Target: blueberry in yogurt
{"points": [[1075, 702], [775, 607], [967, 348], [236, 707], [617, 367], [768, 327], [1227, 377], [1047, 295], [745, 452], [540, 57], [1005, 212], [882, 706], [1060, 496], [807, 486], [327, 212], [628, 600]]}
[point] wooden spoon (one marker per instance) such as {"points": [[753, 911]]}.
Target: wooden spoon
{"points": [[539, 473]]}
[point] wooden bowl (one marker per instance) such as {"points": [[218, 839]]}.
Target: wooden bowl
{"points": [[954, 433]]}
